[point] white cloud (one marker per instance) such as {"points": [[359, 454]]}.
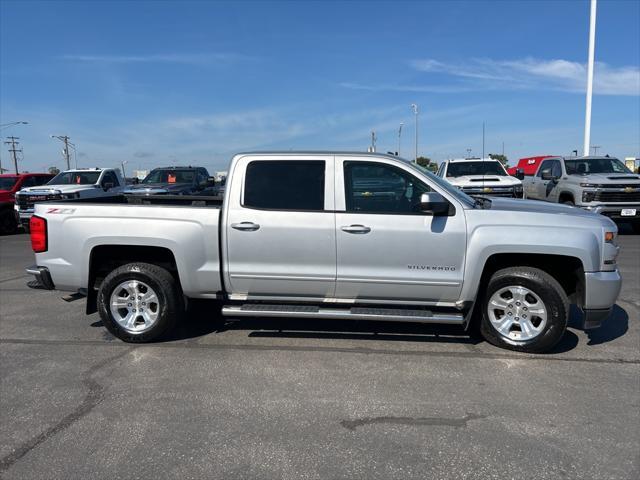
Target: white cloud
{"points": [[531, 73], [179, 58], [407, 88]]}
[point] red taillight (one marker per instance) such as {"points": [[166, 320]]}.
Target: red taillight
{"points": [[38, 228]]}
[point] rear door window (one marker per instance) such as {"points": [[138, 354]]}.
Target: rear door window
{"points": [[285, 185]]}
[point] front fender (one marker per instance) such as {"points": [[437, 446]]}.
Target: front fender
{"points": [[485, 241]]}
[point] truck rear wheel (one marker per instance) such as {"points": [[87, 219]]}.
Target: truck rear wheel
{"points": [[139, 302], [524, 309]]}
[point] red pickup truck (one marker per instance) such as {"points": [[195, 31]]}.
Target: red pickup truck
{"points": [[9, 184]]}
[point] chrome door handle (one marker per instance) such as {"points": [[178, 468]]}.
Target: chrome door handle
{"points": [[356, 229], [246, 226]]}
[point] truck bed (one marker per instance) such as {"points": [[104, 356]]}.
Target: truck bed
{"points": [[184, 228]]}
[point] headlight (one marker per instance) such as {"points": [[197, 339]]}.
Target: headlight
{"points": [[518, 188]]}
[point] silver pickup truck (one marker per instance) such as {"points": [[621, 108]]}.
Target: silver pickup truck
{"points": [[598, 184], [332, 235]]}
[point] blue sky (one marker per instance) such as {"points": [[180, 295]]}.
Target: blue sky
{"points": [[162, 82]]}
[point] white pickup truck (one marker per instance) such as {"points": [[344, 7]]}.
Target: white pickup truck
{"points": [[332, 235], [480, 176], [76, 183]]}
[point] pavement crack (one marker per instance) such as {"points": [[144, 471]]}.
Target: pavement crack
{"points": [[94, 395], [411, 421]]}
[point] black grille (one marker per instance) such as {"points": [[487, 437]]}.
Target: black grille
{"points": [[26, 202], [622, 197]]}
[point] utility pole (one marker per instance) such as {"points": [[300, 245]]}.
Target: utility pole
{"points": [[592, 47], [399, 136], [373, 141], [12, 141], [595, 150], [65, 152], [483, 141], [415, 113]]}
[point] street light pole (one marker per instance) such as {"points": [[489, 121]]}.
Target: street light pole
{"points": [[592, 46], [124, 176], [415, 113], [399, 136]]}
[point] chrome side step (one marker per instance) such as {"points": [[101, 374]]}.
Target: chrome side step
{"points": [[354, 313]]}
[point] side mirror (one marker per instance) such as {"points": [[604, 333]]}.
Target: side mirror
{"points": [[211, 181], [519, 173], [434, 204], [546, 174], [108, 185]]}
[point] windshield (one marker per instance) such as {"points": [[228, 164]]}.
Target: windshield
{"points": [[488, 167], [585, 166], [442, 183], [170, 176], [7, 183], [75, 178]]}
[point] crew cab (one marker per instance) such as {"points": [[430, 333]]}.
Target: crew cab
{"points": [[599, 184], [77, 183], [173, 181], [480, 176], [332, 235], [9, 185]]}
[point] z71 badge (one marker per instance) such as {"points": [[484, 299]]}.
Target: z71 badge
{"points": [[67, 211]]}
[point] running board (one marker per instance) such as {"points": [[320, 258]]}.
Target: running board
{"points": [[354, 313]]}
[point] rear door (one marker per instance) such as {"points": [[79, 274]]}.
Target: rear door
{"points": [[387, 249], [280, 228]]}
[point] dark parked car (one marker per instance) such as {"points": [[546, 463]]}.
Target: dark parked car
{"points": [[173, 181]]}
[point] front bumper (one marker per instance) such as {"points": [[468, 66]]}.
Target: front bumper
{"points": [[614, 211], [601, 290], [42, 278], [24, 216]]}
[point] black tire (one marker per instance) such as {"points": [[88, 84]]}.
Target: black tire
{"points": [[8, 224], [569, 202], [550, 293], [170, 300]]}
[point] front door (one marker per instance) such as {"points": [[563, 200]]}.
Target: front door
{"points": [[386, 247], [280, 229]]}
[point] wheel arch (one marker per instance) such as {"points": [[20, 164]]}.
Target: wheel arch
{"points": [[566, 195], [567, 270], [106, 258]]}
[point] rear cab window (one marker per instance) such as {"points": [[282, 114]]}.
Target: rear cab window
{"points": [[297, 185]]}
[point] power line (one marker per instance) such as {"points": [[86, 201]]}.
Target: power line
{"points": [[12, 141]]}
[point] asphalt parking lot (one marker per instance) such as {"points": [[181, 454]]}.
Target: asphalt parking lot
{"points": [[288, 399]]}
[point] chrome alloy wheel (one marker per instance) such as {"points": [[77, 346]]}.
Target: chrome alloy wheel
{"points": [[517, 313], [135, 306]]}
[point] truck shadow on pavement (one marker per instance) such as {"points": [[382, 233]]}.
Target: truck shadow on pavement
{"points": [[614, 327], [205, 319]]}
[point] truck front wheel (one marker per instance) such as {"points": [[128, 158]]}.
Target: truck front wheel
{"points": [[524, 309], [139, 302]]}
